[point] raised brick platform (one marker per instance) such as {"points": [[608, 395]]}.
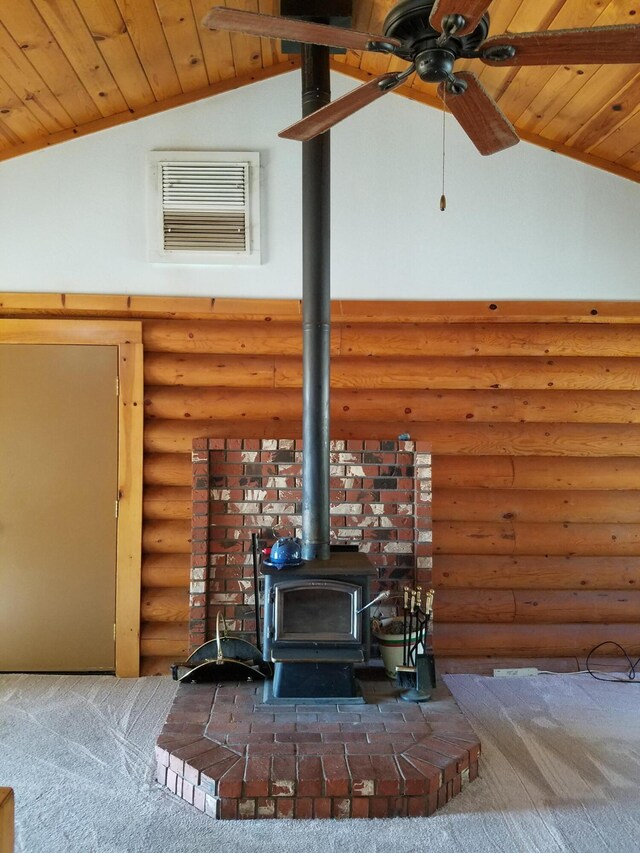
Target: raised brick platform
{"points": [[232, 757]]}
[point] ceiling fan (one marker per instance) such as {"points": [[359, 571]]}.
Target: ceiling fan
{"points": [[431, 35]]}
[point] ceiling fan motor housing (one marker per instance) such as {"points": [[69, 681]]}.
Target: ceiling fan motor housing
{"points": [[409, 22]]}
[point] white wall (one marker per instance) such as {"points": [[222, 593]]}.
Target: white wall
{"points": [[523, 224]]}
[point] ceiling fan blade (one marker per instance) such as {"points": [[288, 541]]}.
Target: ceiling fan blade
{"points": [[326, 117], [479, 116], [268, 26], [471, 10], [590, 46]]}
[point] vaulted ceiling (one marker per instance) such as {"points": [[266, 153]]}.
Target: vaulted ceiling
{"points": [[71, 67]]}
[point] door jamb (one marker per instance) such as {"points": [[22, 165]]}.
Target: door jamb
{"points": [[127, 336]]}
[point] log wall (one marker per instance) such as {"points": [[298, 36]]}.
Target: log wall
{"points": [[532, 411]]}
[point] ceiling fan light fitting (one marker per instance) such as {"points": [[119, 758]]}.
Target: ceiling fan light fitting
{"points": [[435, 64]]}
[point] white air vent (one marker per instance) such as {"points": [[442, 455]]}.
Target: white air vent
{"points": [[204, 207]]}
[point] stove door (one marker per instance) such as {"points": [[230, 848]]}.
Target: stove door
{"points": [[317, 611]]}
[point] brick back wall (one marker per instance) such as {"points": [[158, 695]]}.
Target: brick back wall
{"points": [[380, 499]]}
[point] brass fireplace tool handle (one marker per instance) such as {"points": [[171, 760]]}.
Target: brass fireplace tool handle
{"points": [[413, 671]]}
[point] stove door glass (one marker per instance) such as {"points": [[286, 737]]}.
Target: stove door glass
{"points": [[317, 611]]}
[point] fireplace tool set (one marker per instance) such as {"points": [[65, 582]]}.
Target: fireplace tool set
{"points": [[417, 672], [228, 658]]}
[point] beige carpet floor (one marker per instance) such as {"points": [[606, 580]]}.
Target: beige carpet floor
{"points": [[560, 772]]}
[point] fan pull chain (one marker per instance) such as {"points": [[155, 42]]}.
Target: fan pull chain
{"points": [[443, 198]]}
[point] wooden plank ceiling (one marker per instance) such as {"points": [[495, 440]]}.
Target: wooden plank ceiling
{"points": [[71, 67]]}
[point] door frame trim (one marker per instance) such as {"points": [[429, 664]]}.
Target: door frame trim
{"points": [[127, 336]]}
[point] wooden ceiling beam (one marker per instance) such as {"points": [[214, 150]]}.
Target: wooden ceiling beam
{"points": [[150, 42], [151, 109], [72, 35], [181, 31], [216, 46], [29, 86], [609, 117], [516, 99], [110, 34], [39, 46], [601, 86], [16, 116], [568, 81]]}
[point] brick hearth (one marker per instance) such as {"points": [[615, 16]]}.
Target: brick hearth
{"points": [[232, 757]]}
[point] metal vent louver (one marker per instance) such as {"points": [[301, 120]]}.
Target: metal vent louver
{"points": [[205, 206]]}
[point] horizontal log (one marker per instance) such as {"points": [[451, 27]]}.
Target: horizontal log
{"points": [[494, 571], [414, 371], [577, 605], [164, 638], [427, 311], [166, 502], [164, 605], [384, 405], [460, 639], [461, 605], [195, 369], [481, 472], [222, 404], [55, 330], [466, 439], [165, 437], [165, 570], [535, 505], [606, 540], [531, 472], [157, 665], [535, 606], [168, 469], [240, 338], [167, 536], [526, 339]]}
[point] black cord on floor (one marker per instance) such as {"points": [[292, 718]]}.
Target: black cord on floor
{"points": [[631, 674]]}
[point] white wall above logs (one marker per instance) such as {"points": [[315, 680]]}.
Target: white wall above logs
{"points": [[521, 224]]}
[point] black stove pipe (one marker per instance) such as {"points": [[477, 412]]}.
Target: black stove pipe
{"points": [[316, 310]]}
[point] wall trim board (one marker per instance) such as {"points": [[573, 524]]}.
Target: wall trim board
{"points": [[127, 336], [17, 304]]}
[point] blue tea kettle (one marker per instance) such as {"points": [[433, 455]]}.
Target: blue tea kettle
{"points": [[286, 553]]}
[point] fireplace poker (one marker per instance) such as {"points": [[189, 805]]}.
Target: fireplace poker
{"points": [[256, 587], [405, 607]]}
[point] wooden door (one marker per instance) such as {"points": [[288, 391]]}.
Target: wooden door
{"points": [[58, 491]]}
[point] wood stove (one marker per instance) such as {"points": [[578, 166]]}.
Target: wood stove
{"points": [[314, 631]]}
